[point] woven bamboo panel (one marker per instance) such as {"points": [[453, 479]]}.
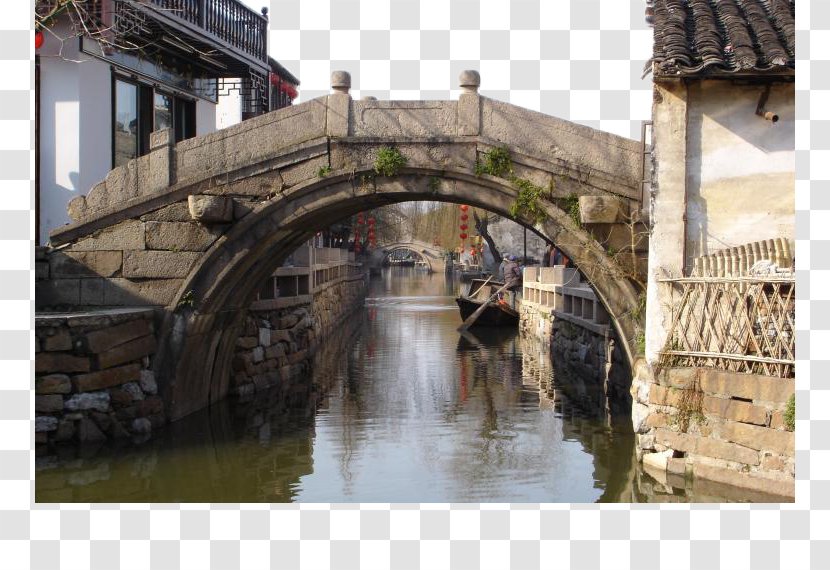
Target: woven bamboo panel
{"points": [[735, 324]]}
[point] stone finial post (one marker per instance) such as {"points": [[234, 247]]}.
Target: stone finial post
{"points": [[339, 105], [469, 103], [469, 81], [341, 81]]}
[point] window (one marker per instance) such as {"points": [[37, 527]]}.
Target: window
{"points": [[138, 110]]}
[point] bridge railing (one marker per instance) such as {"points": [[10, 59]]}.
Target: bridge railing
{"points": [[739, 324], [559, 291]]}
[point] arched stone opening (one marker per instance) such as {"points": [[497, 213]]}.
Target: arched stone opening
{"points": [[198, 340]]}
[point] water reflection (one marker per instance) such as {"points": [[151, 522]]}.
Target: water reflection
{"points": [[399, 408]]}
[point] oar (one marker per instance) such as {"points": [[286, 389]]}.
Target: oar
{"points": [[472, 296], [474, 317]]}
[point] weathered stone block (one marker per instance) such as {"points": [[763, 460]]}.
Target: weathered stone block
{"points": [[60, 339], [45, 423], [780, 487], [759, 438], [676, 465], [159, 264], [158, 292], [105, 339], [150, 406], [675, 440], [602, 209], [177, 236], [53, 384], [247, 342], [88, 432], [469, 114], [133, 390], [147, 381], [126, 235], [107, 378], [65, 432], [735, 410], [264, 337], [681, 378], [63, 265], [280, 335], [729, 451], [178, 212], [99, 401], [749, 386], [663, 396], [656, 419], [210, 209], [141, 426], [57, 292], [92, 291], [658, 460], [60, 362], [49, 404], [257, 354]]}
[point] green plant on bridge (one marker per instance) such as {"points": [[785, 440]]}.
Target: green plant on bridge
{"points": [[187, 300], [496, 162], [789, 413], [434, 183], [571, 206], [389, 161], [324, 171], [527, 203]]}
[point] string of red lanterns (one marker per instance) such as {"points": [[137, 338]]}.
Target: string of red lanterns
{"points": [[463, 226]]}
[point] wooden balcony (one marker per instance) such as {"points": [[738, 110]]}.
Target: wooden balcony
{"points": [[223, 35]]}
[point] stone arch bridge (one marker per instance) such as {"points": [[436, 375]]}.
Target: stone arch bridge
{"points": [[433, 256], [196, 227]]}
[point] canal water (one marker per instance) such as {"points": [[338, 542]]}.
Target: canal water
{"points": [[410, 411]]}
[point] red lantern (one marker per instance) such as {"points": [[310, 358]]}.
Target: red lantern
{"points": [[464, 217], [38, 39], [462, 235], [464, 207], [463, 226], [371, 221]]}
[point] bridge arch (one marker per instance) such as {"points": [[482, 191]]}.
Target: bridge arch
{"points": [[298, 170], [432, 255]]}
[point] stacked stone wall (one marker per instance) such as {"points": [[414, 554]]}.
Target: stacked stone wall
{"points": [[93, 376], [276, 345], [722, 426], [596, 358]]}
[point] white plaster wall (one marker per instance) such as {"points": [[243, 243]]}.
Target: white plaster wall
{"points": [[75, 103], [228, 110], [741, 168], [205, 117]]}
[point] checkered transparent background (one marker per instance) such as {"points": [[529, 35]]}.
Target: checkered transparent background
{"points": [[577, 59]]}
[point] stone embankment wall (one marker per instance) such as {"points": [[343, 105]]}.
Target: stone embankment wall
{"points": [[93, 376], [278, 341], [722, 426], [567, 317]]}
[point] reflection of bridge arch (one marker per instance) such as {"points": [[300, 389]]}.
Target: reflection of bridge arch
{"points": [[432, 255], [258, 190]]}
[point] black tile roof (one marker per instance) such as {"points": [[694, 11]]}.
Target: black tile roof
{"points": [[712, 37]]}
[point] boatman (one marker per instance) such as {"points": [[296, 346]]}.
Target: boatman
{"points": [[513, 279]]}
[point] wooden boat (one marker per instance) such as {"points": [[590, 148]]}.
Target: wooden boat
{"points": [[497, 314]]}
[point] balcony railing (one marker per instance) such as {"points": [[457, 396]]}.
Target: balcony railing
{"points": [[229, 20]]}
